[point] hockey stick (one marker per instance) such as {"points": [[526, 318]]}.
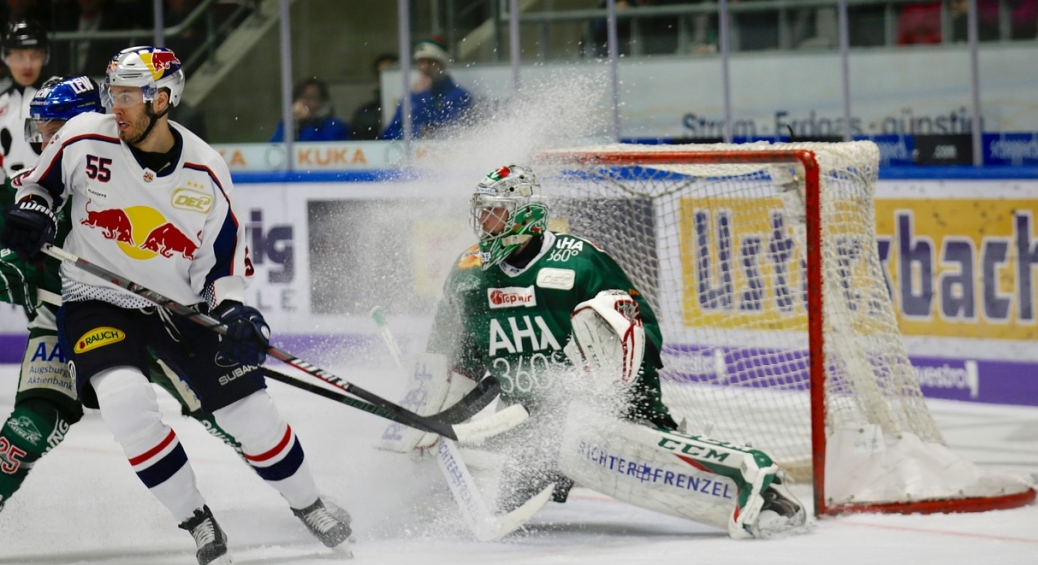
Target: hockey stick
{"points": [[483, 524], [441, 422], [468, 432], [216, 326]]}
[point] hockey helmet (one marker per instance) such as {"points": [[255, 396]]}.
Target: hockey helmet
{"points": [[511, 194], [25, 34], [61, 98], [149, 68]]}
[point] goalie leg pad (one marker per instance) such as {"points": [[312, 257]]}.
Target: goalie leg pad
{"points": [[608, 340], [705, 480]]}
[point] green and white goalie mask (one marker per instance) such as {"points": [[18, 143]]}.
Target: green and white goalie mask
{"points": [[507, 211]]}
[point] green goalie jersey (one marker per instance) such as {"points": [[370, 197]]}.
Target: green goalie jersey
{"points": [[18, 279], [515, 322]]}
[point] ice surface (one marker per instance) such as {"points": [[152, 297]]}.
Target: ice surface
{"points": [[83, 505]]}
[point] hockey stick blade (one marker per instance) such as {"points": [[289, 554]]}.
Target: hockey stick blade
{"points": [[478, 431], [216, 326]]}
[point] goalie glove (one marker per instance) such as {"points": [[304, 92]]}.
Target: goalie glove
{"points": [[608, 340]]}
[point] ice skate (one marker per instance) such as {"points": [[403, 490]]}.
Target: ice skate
{"points": [[210, 539], [781, 513], [325, 526]]}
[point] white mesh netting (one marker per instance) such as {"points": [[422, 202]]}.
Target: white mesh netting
{"points": [[719, 252]]}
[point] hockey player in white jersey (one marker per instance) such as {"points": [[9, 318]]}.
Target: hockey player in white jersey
{"points": [[25, 51], [154, 203]]}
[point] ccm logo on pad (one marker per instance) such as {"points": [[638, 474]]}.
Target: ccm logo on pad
{"points": [[511, 297]]}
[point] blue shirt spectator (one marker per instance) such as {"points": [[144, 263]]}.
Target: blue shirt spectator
{"points": [[314, 115], [436, 101]]}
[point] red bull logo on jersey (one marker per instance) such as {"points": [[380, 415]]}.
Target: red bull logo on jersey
{"points": [[142, 232], [98, 337], [160, 61], [113, 223], [511, 297], [167, 240]]}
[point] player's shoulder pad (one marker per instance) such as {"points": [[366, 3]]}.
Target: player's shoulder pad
{"points": [[101, 126], [578, 245], [469, 259], [200, 154]]}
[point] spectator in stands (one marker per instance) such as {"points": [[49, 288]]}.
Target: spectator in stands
{"points": [[367, 120], [436, 101], [314, 116], [919, 23], [91, 57]]}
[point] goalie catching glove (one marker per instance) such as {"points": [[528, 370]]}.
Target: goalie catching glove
{"points": [[608, 340], [248, 335]]}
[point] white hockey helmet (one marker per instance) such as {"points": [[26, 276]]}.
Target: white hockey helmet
{"points": [[511, 193], [150, 68]]}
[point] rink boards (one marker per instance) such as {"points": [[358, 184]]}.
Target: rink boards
{"points": [[960, 256]]}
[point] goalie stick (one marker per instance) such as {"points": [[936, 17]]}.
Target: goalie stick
{"points": [[213, 324], [477, 516]]}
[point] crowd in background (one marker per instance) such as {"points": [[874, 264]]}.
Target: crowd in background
{"points": [[90, 57], [438, 102], [807, 27]]}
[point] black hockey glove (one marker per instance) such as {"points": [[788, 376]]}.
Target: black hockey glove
{"points": [[27, 226], [248, 335]]}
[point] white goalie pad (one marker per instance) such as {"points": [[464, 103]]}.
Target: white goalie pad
{"points": [[608, 339], [685, 476], [622, 460]]}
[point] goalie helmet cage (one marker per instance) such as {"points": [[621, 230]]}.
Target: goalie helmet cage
{"points": [[761, 264]]}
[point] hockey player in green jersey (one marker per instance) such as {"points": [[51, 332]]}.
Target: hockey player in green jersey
{"points": [[508, 301], [46, 403], [559, 323]]}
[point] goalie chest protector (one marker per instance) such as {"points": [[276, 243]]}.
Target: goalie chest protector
{"points": [[515, 322]]}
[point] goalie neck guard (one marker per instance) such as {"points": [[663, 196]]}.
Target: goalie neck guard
{"points": [[507, 211]]}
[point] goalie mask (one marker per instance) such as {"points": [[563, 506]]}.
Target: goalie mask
{"points": [[507, 211]]}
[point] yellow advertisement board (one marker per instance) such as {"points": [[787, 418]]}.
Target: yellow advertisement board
{"points": [[952, 267]]}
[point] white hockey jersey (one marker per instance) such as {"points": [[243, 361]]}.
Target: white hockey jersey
{"points": [[176, 231], [15, 153]]}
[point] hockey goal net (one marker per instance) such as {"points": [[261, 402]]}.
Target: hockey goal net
{"points": [[761, 264]]}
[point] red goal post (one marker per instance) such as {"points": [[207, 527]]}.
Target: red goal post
{"points": [[760, 261]]}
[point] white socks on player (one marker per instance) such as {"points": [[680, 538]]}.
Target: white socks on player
{"points": [[270, 446], [131, 412]]}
